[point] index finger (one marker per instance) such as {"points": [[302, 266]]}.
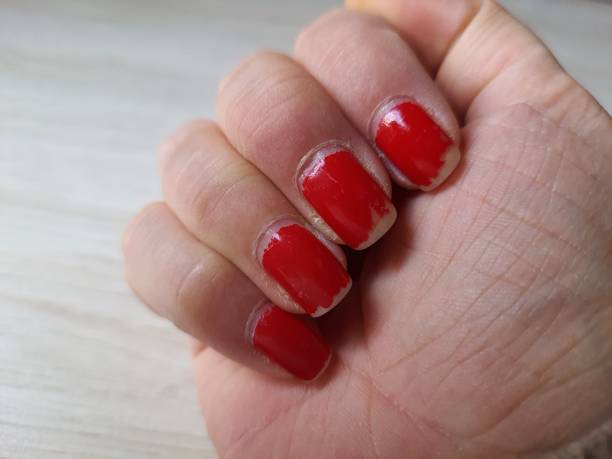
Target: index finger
{"points": [[383, 88]]}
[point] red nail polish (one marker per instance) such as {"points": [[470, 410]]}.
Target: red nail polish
{"points": [[346, 197], [419, 151], [290, 342], [308, 271]]}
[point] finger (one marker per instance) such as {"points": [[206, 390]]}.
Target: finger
{"points": [[386, 92], [485, 60], [235, 210], [283, 122], [429, 27], [209, 298]]}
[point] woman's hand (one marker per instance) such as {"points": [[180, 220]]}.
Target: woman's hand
{"points": [[479, 326]]}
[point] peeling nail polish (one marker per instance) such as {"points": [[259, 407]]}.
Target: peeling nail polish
{"points": [[420, 154], [303, 266], [346, 196], [290, 342]]}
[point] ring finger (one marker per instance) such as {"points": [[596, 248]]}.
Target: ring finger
{"points": [[234, 209], [281, 120]]}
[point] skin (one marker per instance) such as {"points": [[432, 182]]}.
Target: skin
{"points": [[479, 326]]}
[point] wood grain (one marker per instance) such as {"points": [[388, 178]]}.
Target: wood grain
{"points": [[88, 88]]}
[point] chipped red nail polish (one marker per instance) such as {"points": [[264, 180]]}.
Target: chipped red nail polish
{"points": [[419, 152], [308, 271], [346, 196], [290, 342]]}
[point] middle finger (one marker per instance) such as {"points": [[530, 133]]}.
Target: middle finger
{"points": [[280, 119]]}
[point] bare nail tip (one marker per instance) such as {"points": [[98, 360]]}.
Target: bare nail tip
{"points": [[337, 299], [381, 228], [451, 161], [322, 370]]}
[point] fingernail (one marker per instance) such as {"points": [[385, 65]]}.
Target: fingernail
{"points": [[290, 342], [306, 269], [346, 196], [418, 152]]}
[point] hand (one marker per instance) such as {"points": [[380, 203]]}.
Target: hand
{"points": [[479, 326]]}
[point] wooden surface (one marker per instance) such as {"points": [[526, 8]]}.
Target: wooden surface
{"points": [[88, 88]]}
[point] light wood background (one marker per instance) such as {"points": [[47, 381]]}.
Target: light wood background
{"points": [[88, 88]]}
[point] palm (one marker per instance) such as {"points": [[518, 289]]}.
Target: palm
{"points": [[436, 347]]}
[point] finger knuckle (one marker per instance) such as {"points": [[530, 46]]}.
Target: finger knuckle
{"points": [[182, 137], [255, 105], [139, 223]]}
